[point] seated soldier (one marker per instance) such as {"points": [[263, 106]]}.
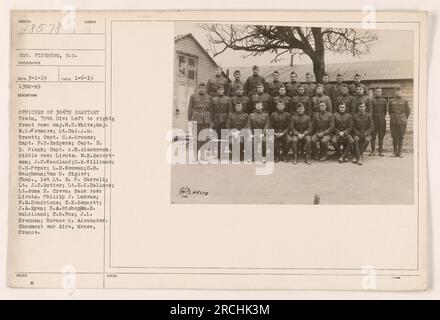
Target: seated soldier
{"points": [[240, 97], [342, 137], [301, 128], [258, 124], [280, 122], [362, 129], [321, 97], [237, 121], [283, 97], [323, 125], [301, 98], [262, 96]]}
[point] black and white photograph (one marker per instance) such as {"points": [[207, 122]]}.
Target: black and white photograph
{"points": [[285, 114]]}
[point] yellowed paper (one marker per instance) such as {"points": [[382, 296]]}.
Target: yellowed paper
{"points": [[98, 107]]}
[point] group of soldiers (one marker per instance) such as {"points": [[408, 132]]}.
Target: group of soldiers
{"points": [[306, 117]]}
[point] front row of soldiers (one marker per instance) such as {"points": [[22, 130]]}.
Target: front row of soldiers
{"points": [[301, 126]]}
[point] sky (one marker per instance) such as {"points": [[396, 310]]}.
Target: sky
{"points": [[391, 45]]}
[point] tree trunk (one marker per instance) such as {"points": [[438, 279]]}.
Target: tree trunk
{"points": [[318, 57]]}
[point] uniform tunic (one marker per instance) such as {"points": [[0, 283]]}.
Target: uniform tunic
{"points": [[213, 84], [357, 100], [265, 98], [309, 89], [399, 112], [198, 108], [237, 120], [244, 100], [347, 99], [233, 87], [274, 87], [251, 84], [285, 99], [323, 122], [219, 109], [305, 100], [318, 99], [380, 108], [362, 124], [292, 89], [352, 88]]}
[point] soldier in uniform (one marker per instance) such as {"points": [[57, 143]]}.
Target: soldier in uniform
{"points": [[321, 97], [280, 122], [323, 124], [283, 97], [359, 98], [399, 112], [363, 127], [253, 80], [237, 121], [262, 96], [259, 120], [342, 135], [217, 80], [329, 89], [292, 86], [301, 128], [198, 111], [275, 84], [357, 83], [240, 97], [345, 98], [234, 84], [309, 86], [380, 109], [219, 108], [338, 91], [301, 98]]}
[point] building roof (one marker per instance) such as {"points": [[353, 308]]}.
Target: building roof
{"points": [[190, 35], [369, 70]]}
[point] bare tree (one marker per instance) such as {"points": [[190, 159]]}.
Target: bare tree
{"points": [[279, 40]]}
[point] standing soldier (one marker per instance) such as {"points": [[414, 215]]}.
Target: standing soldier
{"points": [[363, 127], [329, 89], [240, 97], [217, 80], [321, 97], [345, 98], [338, 87], [280, 122], [357, 83], [342, 135], [380, 108], [323, 124], [309, 86], [292, 86], [301, 128], [262, 96], [275, 85], [198, 111], [219, 108], [359, 98], [234, 84], [283, 97], [301, 98], [399, 112], [253, 80], [237, 121], [259, 120]]}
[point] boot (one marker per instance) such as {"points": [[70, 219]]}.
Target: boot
{"points": [[399, 149], [394, 148], [308, 158], [373, 147], [380, 147], [295, 159]]}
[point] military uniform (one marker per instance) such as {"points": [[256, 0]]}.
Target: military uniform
{"points": [[343, 124], [219, 110], [329, 90], [380, 108], [309, 89], [233, 87], [363, 127], [238, 121], [347, 99], [357, 100], [251, 84], [323, 122], [338, 90], [352, 89], [305, 100], [259, 120], [274, 87], [245, 102], [265, 99], [285, 99], [301, 124], [292, 89], [316, 100], [213, 84], [399, 112], [280, 122], [198, 111]]}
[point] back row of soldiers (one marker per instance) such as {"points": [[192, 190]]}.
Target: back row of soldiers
{"points": [[217, 109]]}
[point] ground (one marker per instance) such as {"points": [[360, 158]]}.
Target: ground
{"points": [[380, 180]]}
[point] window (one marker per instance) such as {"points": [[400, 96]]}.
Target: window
{"points": [[187, 67]]}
